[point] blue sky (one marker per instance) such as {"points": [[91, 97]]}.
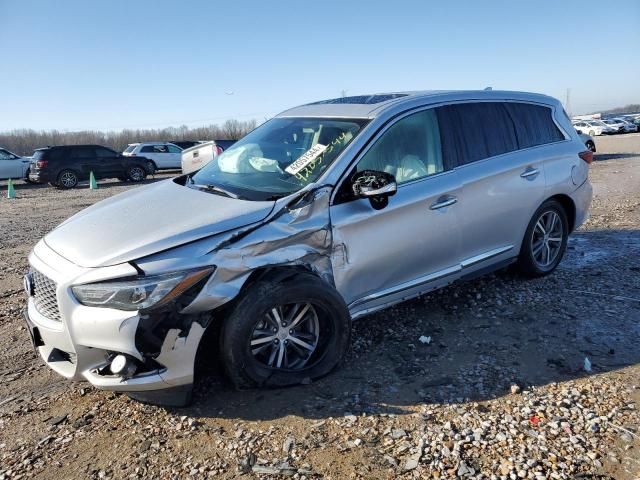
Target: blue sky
{"points": [[115, 64]]}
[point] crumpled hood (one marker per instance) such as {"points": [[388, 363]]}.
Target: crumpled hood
{"points": [[147, 220]]}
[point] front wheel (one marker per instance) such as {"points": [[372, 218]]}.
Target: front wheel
{"points": [[545, 240], [591, 146], [592, 133], [136, 174], [284, 333]]}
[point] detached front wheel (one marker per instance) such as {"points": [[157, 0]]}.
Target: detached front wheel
{"points": [[283, 333]]}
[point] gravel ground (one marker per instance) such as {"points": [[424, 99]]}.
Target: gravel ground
{"points": [[500, 391]]}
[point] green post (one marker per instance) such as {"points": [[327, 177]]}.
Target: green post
{"points": [[92, 181], [11, 192]]}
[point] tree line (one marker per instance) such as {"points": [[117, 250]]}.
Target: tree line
{"points": [[632, 108], [25, 141]]}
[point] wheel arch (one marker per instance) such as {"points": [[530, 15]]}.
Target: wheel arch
{"points": [[569, 208]]}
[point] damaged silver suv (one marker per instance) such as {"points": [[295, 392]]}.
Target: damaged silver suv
{"points": [[323, 214]]}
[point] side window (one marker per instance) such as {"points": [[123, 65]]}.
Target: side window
{"points": [[173, 149], [409, 149], [104, 153], [534, 124], [4, 155], [475, 131], [147, 149], [82, 153], [160, 149]]}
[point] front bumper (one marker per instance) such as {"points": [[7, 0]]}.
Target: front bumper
{"points": [[80, 345]]}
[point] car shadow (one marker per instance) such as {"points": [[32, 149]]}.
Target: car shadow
{"points": [[469, 342], [600, 157]]}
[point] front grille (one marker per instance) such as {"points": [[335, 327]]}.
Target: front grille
{"points": [[44, 296]]}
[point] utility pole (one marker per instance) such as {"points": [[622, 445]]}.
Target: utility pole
{"points": [[567, 103], [343, 93]]}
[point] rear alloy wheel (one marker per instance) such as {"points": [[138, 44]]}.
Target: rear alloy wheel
{"points": [[285, 332], [67, 179], [136, 174], [545, 240]]}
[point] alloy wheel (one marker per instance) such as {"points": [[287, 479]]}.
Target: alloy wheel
{"points": [[546, 240], [136, 174], [286, 336], [68, 179]]}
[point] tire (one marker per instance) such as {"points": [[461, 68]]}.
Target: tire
{"points": [[324, 323], [136, 173], [592, 133], [150, 167], [591, 146], [67, 179], [541, 253], [26, 176]]}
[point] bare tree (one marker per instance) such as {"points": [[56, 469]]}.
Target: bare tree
{"points": [[25, 141]]}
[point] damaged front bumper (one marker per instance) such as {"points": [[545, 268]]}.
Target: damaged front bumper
{"points": [[79, 342]]}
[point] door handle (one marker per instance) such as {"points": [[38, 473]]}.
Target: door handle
{"points": [[530, 172], [442, 202]]}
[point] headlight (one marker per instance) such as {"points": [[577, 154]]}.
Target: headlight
{"points": [[140, 292]]}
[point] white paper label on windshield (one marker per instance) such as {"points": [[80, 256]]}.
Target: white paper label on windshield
{"points": [[306, 158]]}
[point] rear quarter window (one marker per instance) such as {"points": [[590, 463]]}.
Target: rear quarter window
{"points": [[534, 124]]}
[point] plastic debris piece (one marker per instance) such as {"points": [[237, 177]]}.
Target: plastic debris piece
{"points": [[587, 365], [425, 340]]}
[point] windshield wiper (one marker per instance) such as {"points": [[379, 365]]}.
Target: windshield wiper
{"points": [[214, 189]]}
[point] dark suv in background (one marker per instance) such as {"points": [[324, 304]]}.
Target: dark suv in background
{"points": [[65, 166]]}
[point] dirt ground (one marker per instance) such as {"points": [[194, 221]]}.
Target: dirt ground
{"points": [[501, 391]]}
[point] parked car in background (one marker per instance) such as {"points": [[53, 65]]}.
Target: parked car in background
{"points": [[588, 141], [326, 213], [65, 166], [593, 127], [615, 124], [13, 166], [184, 144], [157, 155], [628, 127], [224, 144], [198, 156]]}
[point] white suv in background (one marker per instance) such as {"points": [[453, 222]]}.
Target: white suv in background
{"points": [[160, 155], [593, 127]]}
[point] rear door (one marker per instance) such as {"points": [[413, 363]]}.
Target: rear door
{"points": [[175, 156], [110, 163], [84, 161], [413, 243], [501, 163]]}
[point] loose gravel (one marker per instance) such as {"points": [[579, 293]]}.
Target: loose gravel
{"points": [[497, 378]]}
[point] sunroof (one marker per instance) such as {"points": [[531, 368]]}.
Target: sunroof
{"points": [[361, 99]]}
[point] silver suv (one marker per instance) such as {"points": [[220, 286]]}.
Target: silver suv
{"points": [[325, 213]]}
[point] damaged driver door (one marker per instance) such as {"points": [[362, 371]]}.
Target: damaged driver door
{"points": [[411, 244]]}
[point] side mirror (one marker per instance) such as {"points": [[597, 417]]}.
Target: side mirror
{"points": [[374, 185]]}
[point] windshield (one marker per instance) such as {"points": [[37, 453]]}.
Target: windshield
{"points": [[278, 158]]}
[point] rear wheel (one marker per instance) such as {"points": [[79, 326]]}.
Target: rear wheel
{"points": [[545, 240], [67, 179], [136, 174], [150, 167], [282, 333]]}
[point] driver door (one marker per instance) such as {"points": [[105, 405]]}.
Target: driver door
{"points": [[411, 245]]}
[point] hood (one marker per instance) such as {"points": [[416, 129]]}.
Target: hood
{"points": [[148, 220]]}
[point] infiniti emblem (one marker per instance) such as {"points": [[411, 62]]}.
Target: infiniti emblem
{"points": [[27, 282]]}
